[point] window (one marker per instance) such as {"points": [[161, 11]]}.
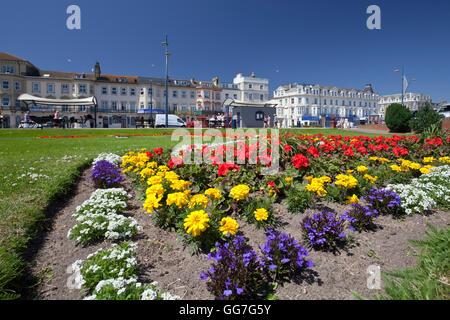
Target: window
{"points": [[183, 94], [36, 87], [250, 86], [217, 96], [292, 100], [175, 107], [82, 108], [235, 96], [5, 85], [104, 90], [192, 94], [113, 90], [64, 108], [259, 115], [227, 95], [8, 69], [5, 102], [174, 94], [132, 91], [123, 106], [50, 87], [64, 88], [261, 97], [17, 86], [261, 87], [114, 105], [104, 106], [123, 91], [82, 88]]}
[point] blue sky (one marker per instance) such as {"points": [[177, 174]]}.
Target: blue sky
{"points": [[321, 41]]}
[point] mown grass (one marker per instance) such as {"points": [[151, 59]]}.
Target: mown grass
{"points": [[57, 165]]}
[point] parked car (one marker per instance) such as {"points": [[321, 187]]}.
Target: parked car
{"points": [[444, 111], [29, 125], [174, 121]]}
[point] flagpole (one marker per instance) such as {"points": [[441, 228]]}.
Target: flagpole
{"points": [[403, 77]]}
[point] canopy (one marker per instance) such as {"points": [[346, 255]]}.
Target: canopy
{"points": [[29, 99]]}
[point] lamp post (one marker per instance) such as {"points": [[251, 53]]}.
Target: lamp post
{"points": [[151, 104], [166, 106]]}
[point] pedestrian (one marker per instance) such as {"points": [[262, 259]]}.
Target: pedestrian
{"points": [[265, 121], [1, 120], [268, 121], [26, 117], [275, 121]]}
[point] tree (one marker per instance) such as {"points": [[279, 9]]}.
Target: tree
{"points": [[425, 118], [397, 118]]}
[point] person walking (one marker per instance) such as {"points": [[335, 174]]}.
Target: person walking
{"points": [[269, 125], [265, 121]]}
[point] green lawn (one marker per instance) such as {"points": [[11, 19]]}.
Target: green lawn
{"points": [[35, 172]]}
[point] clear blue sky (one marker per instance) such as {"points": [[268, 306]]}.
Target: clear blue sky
{"points": [[321, 41]]}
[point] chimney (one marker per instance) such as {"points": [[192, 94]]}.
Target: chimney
{"points": [[252, 75], [368, 88], [97, 70]]}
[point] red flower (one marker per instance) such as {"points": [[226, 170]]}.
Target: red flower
{"points": [[271, 184], [362, 150], [149, 154], [225, 167], [300, 160], [175, 162], [399, 151], [287, 148], [158, 150], [313, 151]]}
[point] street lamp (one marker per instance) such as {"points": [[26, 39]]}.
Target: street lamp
{"points": [[166, 106]]}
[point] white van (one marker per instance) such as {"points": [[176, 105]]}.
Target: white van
{"points": [[174, 121]]}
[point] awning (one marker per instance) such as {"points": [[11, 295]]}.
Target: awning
{"points": [[150, 111], [29, 99]]}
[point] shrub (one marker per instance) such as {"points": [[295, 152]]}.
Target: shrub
{"points": [[425, 118], [237, 273], [360, 217], [283, 255], [323, 230], [106, 175], [397, 118]]}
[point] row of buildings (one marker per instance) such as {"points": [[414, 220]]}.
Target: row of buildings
{"points": [[121, 100]]}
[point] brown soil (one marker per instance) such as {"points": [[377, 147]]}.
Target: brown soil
{"points": [[164, 259]]}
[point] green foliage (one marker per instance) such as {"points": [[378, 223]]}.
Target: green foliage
{"points": [[429, 279], [425, 118], [299, 200], [397, 118]]}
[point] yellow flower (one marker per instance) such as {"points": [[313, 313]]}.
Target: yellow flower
{"points": [[288, 179], [396, 168], [228, 225], [170, 176], [147, 172], [316, 185], [157, 189], [309, 178], [353, 199], [424, 170], [428, 159], [240, 192], [347, 181], [361, 168], [199, 199], [370, 178], [261, 214], [214, 193], [152, 165], [444, 159], [325, 179], [154, 180], [152, 202], [196, 222], [177, 198], [349, 171], [163, 168], [415, 166], [180, 185]]}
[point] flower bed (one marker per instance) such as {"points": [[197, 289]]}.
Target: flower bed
{"points": [[204, 202]]}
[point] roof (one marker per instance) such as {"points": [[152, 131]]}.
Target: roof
{"points": [[89, 76], [7, 56]]}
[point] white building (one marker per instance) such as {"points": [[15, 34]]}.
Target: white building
{"points": [[414, 101], [307, 103]]}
